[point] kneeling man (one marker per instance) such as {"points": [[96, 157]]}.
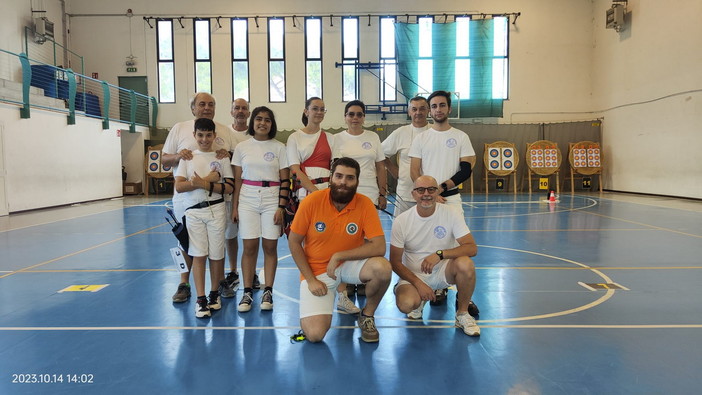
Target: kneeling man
{"points": [[343, 242], [430, 249]]}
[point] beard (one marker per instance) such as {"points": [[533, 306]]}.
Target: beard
{"points": [[342, 195]]}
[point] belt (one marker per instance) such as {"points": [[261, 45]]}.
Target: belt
{"points": [[450, 192], [206, 204], [261, 183]]}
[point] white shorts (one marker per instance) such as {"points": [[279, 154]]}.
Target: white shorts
{"points": [[179, 209], [435, 280], [257, 206], [206, 231], [455, 202], [402, 205], [349, 272], [232, 227]]}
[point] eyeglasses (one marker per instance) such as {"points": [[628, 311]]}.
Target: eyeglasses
{"points": [[354, 114], [318, 109], [421, 190]]}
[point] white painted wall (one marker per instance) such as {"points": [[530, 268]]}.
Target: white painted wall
{"points": [[648, 81]]}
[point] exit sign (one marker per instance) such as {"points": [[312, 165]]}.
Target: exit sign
{"points": [[131, 69]]}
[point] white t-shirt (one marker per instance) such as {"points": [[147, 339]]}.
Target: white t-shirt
{"points": [[399, 142], [260, 160], [423, 236], [181, 137], [441, 152], [366, 150], [238, 137], [202, 163]]}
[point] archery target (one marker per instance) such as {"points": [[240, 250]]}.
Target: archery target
{"points": [[154, 165]]}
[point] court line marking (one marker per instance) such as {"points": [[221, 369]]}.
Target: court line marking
{"points": [[647, 225], [592, 204], [81, 251], [518, 326]]}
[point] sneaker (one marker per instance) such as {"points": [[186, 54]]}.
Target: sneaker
{"points": [[345, 305], [416, 314], [361, 289], [267, 300], [440, 297], [369, 333], [245, 303], [225, 290], [473, 309], [202, 310], [182, 294], [232, 280], [468, 324], [214, 301], [256, 283]]}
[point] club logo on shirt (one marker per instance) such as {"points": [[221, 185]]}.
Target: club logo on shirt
{"points": [[320, 226], [351, 228], [367, 145], [439, 232], [216, 166], [451, 143], [219, 141], [268, 156]]}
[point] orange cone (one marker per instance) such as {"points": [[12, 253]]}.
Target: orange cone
{"points": [[552, 197]]}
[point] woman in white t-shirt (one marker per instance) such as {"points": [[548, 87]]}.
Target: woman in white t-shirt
{"points": [[262, 188], [309, 150]]}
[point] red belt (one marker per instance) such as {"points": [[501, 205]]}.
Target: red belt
{"points": [[261, 183]]}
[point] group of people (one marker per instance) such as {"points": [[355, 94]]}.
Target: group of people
{"points": [[236, 182]]}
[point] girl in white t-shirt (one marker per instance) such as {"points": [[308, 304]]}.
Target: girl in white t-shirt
{"points": [[262, 188]]}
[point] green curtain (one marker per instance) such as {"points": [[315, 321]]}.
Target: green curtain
{"points": [[480, 104]]}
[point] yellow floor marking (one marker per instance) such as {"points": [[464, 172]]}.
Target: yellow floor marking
{"points": [[84, 288]]}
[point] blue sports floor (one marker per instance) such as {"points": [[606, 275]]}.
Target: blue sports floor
{"points": [[86, 299]]}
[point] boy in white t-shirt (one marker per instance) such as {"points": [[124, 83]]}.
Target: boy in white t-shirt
{"points": [[205, 215]]}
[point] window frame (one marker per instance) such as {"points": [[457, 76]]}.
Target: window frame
{"points": [[310, 59], [207, 60], [348, 62], [161, 61], [272, 60], [244, 60]]}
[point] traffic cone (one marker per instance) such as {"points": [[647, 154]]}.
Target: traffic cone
{"points": [[552, 197]]}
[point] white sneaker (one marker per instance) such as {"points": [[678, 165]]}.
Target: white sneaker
{"points": [[245, 303], [345, 305], [468, 324], [416, 314]]}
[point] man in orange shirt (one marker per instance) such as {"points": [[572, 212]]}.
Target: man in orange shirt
{"points": [[343, 242]]}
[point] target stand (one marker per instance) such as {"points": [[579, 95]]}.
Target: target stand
{"points": [[154, 169], [585, 158], [543, 158], [500, 159]]}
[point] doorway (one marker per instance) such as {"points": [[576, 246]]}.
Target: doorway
{"points": [[139, 85]]}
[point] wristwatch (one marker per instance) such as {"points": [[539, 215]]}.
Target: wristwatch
{"points": [[440, 253], [444, 186]]}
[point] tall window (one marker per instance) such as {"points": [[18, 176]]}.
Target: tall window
{"points": [[349, 58], [462, 71], [313, 57], [276, 60], [240, 58], [425, 63], [166, 61], [203, 56], [500, 61], [388, 71]]}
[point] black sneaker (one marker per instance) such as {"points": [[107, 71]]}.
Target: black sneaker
{"points": [[214, 302], [245, 303], [182, 294], [202, 310], [473, 309], [440, 295], [224, 290], [232, 280], [256, 283], [267, 300]]}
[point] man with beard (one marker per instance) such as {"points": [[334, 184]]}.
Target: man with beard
{"points": [[430, 249], [442, 152], [343, 242]]}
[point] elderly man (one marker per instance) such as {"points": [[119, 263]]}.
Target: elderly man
{"points": [[430, 249], [343, 242], [240, 114], [398, 143], [180, 144]]}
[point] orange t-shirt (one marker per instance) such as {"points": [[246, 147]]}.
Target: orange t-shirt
{"points": [[327, 230]]}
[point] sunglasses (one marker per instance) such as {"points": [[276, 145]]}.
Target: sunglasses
{"points": [[421, 190], [354, 114]]}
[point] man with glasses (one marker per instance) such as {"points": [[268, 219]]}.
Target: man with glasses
{"points": [[398, 143], [431, 248]]}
